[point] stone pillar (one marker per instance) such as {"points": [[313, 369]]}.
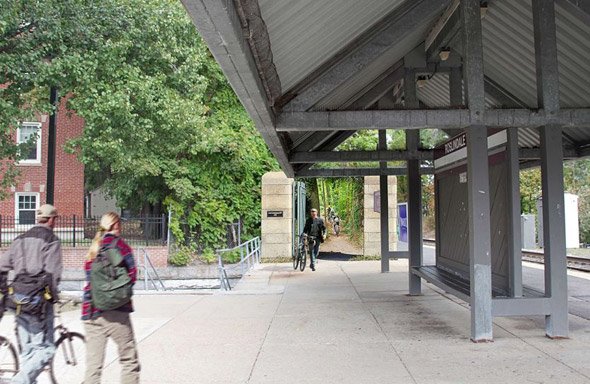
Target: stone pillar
{"points": [[372, 226], [277, 216]]}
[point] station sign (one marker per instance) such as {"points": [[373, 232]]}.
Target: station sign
{"points": [[455, 150]]}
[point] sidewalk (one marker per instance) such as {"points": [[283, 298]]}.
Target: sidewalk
{"points": [[345, 323]]}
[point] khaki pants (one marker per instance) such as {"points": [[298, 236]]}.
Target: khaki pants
{"points": [[116, 325]]}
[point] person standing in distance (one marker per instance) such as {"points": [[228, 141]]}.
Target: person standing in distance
{"points": [[315, 227], [35, 252]]}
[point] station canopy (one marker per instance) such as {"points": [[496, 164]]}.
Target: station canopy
{"points": [[312, 72]]}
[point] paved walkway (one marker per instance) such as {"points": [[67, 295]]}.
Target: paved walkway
{"points": [[345, 323]]}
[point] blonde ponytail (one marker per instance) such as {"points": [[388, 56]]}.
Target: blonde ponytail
{"points": [[107, 221]]}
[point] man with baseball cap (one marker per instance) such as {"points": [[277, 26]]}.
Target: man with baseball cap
{"points": [[36, 252]]}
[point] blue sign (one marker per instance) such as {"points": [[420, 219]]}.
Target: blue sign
{"points": [[402, 221]]}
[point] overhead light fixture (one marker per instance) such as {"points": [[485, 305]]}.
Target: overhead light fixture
{"points": [[421, 82], [444, 53], [483, 9]]}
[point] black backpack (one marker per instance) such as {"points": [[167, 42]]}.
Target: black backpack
{"points": [[29, 294]]}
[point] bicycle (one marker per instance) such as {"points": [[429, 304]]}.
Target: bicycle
{"points": [[70, 351], [67, 362], [303, 249], [9, 364], [337, 228]]}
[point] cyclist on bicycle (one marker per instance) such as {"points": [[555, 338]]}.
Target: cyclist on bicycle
{"points": [[337, 225], [316, 230], [36, 258]]}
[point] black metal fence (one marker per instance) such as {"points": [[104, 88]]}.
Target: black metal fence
{"points": [[77, 231]]}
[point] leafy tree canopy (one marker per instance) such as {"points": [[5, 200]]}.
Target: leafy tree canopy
{"points": [[162, 123]]}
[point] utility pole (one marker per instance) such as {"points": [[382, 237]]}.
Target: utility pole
{"points": [[51, 144]]}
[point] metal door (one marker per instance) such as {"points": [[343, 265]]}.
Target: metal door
{"points": [[299, 210]]}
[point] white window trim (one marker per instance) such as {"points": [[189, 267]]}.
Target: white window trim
{"points": [[39, 143], [16, 196]]}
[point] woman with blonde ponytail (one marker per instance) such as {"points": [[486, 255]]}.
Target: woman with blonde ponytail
{"points": [[116, 324]]}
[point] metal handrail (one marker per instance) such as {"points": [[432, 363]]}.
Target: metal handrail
{"points": [[147, 265], [249, 257]]}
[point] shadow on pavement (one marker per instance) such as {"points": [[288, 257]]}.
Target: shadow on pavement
{"points": [[336, 256]]}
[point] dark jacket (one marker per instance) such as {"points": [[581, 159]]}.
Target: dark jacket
{"points": [[315, 227], [41, 248]]}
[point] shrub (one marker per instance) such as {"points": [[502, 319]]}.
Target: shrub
{"points": [[231, 257], [182, 257], [209, 256]]}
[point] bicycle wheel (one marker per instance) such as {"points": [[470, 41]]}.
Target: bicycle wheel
{"points": [[8, 359], [303, 260], [296, 258], [69, 362]]}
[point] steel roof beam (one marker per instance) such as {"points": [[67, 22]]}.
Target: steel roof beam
{"points": [[401, 23], [375, 93], [500, 94], [329, 144], [313, 141], [535, 154], [584, 152], [220, 27], [425, 118], [387, 155], [576, 6], [359, 172], [359, 156], [444, 31]]}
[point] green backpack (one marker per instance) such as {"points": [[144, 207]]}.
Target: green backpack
{"points": [[110, 284]]}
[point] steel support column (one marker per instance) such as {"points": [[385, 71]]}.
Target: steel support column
{"points": [[414, 189], [456, 87], [514, 231], [477, 175], [556, 324], [415, 217], [384, 206]]}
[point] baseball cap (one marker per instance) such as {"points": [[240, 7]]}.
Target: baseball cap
{"points": [[46, 211]]}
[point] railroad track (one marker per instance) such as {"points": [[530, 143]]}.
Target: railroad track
{"points": [[573, 262]]}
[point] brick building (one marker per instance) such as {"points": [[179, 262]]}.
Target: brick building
{"points": [[30, 191]]}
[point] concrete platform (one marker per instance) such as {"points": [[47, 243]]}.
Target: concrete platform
{"points": [[344, 323]]}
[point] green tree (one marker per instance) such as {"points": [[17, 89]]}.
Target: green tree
{"points": [[162, 123], [41, 43]]}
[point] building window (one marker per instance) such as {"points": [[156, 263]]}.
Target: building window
{"points": [[26, 207], [29, 134]]}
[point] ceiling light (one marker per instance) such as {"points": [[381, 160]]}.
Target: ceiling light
{"points": [[421, 82], [483, 9], [444, 53]]}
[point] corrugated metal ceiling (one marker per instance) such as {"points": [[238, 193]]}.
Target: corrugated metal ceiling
{"points": [[509, 52], [356, 85], [435, 93], [306, 33]]}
